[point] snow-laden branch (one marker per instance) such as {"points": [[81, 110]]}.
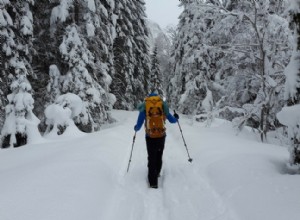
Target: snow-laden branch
{"points": [[241, 16], [237, 45], [231, 50]]}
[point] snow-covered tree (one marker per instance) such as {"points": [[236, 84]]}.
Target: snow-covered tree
{"points": [[163, 41], [194, 59], [171, 32], [237, 50], [292, 85], [290, 115], [156, 78], [76, 37], [262, 43], [6, 36], [78, 79], [16, 31], [54, 87], [131, 54], [20, 124]]}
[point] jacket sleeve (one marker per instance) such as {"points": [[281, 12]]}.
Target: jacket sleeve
{"points": [[140, 121], [141, 118], [170, 117]]}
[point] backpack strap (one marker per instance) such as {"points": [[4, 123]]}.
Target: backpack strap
{"points": [[142, 107], [166, 108]]}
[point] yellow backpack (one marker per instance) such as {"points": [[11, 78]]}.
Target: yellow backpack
{"points": [[155, 117]]}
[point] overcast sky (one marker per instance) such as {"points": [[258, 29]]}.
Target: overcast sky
{"points": [[163, 12]]}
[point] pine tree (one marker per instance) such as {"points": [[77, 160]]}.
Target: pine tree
{"points": [[131, 54], [156, 78]]}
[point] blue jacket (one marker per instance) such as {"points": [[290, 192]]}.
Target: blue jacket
{"points": [[142, 115]]}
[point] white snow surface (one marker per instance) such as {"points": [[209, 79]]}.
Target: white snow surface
{"points": [[76, 177]]}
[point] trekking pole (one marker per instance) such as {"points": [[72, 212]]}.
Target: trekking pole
{"points": [[190, 159], [131, 152]]}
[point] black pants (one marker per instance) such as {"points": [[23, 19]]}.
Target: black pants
{"points": [[155, 148]]}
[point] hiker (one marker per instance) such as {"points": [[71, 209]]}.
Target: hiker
{"points": [[153, 112]]}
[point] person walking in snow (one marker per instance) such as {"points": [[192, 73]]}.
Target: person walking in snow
{"points": [[153, 112]]}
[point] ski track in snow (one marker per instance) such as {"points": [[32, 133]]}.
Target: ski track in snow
{"points": [[181, 193]]}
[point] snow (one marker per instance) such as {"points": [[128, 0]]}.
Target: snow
{"points": [[3, 21], [289, 115], [58, 115], [103, 10], [83, 176], [72, 101], [33, 134], [27, 24], [4, 2], [91, 5], [291, 73], [60, 12], [66, 108], [207, 102], [90, 29], [9, 126], [111, 3], [294, 5]]}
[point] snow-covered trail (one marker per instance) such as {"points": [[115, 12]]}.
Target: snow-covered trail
{"points": [[181, 194], [84, 177]]}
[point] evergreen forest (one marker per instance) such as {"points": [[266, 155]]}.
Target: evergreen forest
{"points": [[237, 60]]}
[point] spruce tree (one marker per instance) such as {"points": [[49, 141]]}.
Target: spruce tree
{"points": [[292, 87], [17, 33], [131, 54], [46, 54], [76, 37], [6, 38], [195, 61], [156, 78], [163, 42]]}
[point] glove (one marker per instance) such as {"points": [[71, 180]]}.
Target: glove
{"points": [[135, 128], [176, 116]]}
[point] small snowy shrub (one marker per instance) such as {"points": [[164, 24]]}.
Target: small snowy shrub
{"points": [[20, 126], [63, 113], [290, 117]]}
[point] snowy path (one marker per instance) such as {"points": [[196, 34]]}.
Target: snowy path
{"points": [[84, 177], [181, 194]]}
